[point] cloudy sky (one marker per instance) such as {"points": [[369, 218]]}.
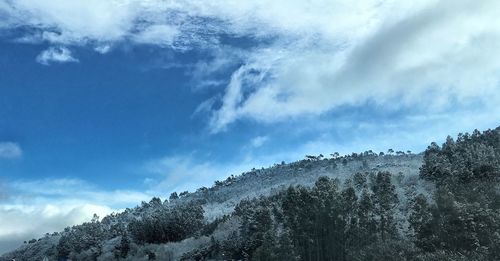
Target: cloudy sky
{"points": [[104, 103]]}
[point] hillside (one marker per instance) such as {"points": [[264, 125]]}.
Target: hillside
{"points": [[395, 204]]}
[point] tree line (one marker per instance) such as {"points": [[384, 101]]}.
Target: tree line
{"points": [[360, 219]]}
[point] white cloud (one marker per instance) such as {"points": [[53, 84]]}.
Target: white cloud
{"points": [[32, 208], [161, 35], [22, 222], [66, 22], [259, 141], [223, 58], [95, 22], [316, 55], [10, 150], [55, 55], [427, 56], [102, 49]]}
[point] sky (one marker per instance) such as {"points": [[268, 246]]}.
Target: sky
{"points": [[106, 103]]}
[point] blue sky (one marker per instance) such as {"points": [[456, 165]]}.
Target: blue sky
{"points": [[107, 103]]}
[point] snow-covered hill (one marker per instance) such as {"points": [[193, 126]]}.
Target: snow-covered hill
{"points": [[221, 199]]}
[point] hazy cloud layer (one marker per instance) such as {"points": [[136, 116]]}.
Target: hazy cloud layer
{"points": [[29, 209]]}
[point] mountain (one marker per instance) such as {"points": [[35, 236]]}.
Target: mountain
{"points": [[442, 204]]}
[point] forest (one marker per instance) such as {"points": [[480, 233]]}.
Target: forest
{"points": [[360, 220], [449, 211]]}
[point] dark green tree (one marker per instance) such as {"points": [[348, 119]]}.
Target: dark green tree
{"points": [[385, 200]]}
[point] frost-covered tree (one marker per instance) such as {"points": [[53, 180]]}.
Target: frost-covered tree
{"points": [[173, 196], [466, 213], [167, 224], [385, 200], [76, 239]]}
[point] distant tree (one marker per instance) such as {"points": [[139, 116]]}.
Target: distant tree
{"points": [[95, 218], [202, 189], [312, 158], [155, 202], [173, 196]]}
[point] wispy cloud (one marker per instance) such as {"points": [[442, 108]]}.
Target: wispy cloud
{"points": [[402, 60], [75, 190], [10, 150], [55, 55], [258, 141], [161, 35], [189, 172], [102, 49], [306, 59]]}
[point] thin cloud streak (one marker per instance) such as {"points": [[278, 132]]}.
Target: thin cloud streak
{"points": [[10, 150]]}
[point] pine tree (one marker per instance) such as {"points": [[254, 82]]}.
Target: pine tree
{"points": [[124, 247], [385, 199], [366, 220], [421, 223], [266, 251], [173, 196], [359, 181], [285, 249], [350, 221]]}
